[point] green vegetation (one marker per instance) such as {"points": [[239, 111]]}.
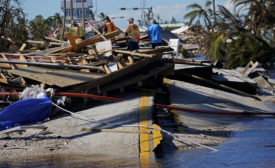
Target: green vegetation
{"points": [[239, 37]]}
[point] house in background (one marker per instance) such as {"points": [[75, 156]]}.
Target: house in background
{"points": [[77, 11]]}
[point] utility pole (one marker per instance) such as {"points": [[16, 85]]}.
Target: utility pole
{"points": [[143, 12]]}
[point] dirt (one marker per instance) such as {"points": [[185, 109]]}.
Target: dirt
{"points": [[31, 142]]}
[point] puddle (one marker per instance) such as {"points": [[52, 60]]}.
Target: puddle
{"points": [[253, 147]]}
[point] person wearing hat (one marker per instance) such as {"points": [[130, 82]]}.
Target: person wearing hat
{"points": [[154, 31], [109, 26], [133, 32], [76, 31]]}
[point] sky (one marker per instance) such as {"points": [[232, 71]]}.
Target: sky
{"points": [[165, 8]]}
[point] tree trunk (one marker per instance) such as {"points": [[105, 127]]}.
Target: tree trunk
{"points": [[214, 12], [64, 20], [71, 9], [83, 15]]}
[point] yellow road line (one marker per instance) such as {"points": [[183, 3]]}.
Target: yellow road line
{"points": [[156, 135], [143, 120], [174, 112]]}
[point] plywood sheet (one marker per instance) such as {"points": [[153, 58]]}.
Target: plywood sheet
{"points": [[55, 77]]}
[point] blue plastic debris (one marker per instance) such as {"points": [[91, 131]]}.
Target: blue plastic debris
{"points": [[30, 110]]}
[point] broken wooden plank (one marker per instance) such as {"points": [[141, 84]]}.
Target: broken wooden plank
{"points": [[23, 47], [137, 78], [114, 75], [50, 65], [90, 41], [54, 77], [8, 39], [36, 42], [53, 39], [133, 53], [156, 50], [249, 68]]}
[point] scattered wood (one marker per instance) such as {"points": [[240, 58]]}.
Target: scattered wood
{"points": [[134, 53], [50, 65], [8, 39], [115, 131], [249, 68]]}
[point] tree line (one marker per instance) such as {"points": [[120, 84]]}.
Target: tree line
{"points": [[237, 37], [15, 29]]}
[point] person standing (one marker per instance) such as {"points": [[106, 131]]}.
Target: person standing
{"points": [[109, 26], [133, 32], [154, 31], [77, 32]]}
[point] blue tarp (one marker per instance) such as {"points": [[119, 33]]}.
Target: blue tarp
{"points": [[25, 111]]}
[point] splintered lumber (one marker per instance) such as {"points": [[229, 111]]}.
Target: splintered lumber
{"points": [[23, 47], [157, 50], [90, 41], [248, 70], [140, 77], [133, 53], [36, 42], [186, 61], [55, 40], [117, 74], [98, 32], [55, 77], [8, 39], [222, 86], [50, 65]]}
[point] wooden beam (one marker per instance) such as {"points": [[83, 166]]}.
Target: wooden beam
{"points": [[248, 70], [115, 75], [55, 40], [90, 41], [133, 53], [50, 65], [135, 79], [8, 39], [157, 50], [222, 86], [36, 42], [23, 47]]}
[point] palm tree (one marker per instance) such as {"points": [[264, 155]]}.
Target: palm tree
{"points": [[214, 12], [102, 15], [83, 14], [64, 20], [200, 12], [71, 9], [235, 44], [261, 14], [92, 14]]}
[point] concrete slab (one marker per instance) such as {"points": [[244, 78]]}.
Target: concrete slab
{"points": [[193, 96], [230, 75], [105, 143], [65, 135], [234, 79]]}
